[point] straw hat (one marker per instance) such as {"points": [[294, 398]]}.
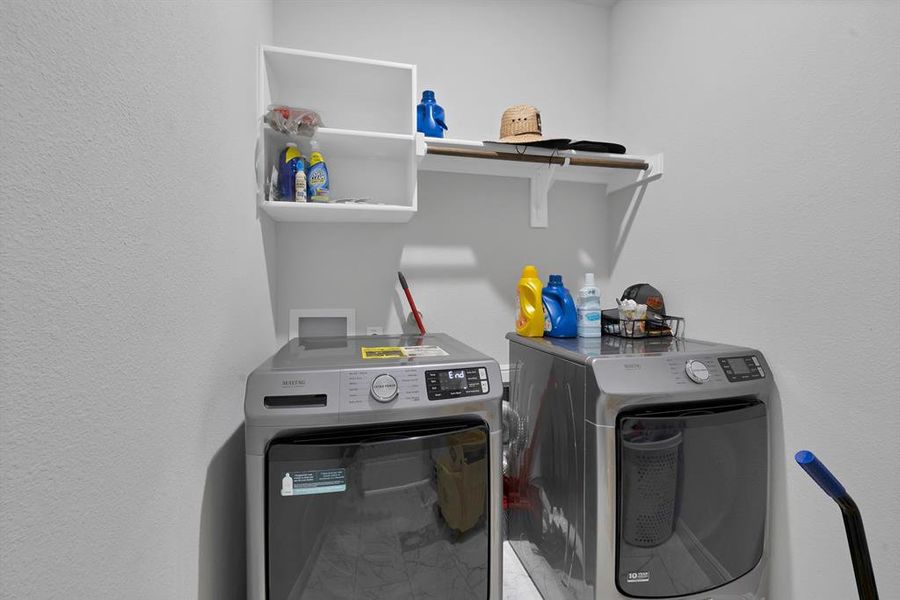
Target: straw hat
{"points": [[521, 124]]}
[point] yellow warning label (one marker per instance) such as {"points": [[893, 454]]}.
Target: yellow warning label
{"points": [[402, 351], [383, 352]]}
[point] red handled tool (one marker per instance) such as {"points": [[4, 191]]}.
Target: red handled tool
{"points": [[412, 304]]}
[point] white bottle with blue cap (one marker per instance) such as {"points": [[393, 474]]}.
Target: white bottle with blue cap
{"points": [[589, 312]]}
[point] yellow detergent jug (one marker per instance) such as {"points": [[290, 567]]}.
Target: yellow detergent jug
{"points": [[530, 309]]}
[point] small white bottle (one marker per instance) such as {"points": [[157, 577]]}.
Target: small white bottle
{"points": [[300, 180], [589, 316], [287, 485]]}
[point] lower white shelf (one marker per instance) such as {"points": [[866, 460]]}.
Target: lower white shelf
{"points": [[320, 212], [542, 166], [617, 170]]}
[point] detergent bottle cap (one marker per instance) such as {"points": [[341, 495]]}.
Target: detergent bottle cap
{"points": [[427, 95], [588, 280], [529, 271], [555, 280], [291, 145]]}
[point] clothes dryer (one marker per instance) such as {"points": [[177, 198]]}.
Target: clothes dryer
{"points": [[640, 468]]}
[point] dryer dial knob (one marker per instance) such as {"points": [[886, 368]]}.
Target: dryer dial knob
{"points": [[384, 388], [696, 371]]}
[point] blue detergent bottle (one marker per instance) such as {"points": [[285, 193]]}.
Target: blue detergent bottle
{"points": [[430, 118], [560, 314], [287, 171]]}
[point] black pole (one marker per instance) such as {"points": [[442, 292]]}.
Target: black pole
{"points": [[859, 548]]}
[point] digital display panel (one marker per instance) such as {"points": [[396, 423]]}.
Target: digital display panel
{"points": [[453, 380], [742, 368], [738, 366]]}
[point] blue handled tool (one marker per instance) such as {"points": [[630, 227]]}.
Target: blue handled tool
{"points": [[856, 534]]}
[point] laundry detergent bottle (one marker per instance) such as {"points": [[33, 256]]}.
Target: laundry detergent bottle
{"points": [[430, 118], [317, 177], [589, 316], [288, 163], [560, 314], [529, 307]]}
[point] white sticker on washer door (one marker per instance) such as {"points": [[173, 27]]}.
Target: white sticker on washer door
{"points": [[638, 577], [317, 481]]}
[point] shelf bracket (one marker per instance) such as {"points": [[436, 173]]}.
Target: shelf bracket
{"points": [[541, 181], [421, 148], [653, 172]]}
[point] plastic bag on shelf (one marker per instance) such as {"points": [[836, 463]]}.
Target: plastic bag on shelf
{"points": [[293, 121]]}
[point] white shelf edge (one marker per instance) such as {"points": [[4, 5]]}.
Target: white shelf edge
{"points": [[326, 56], [383, 135], [530, 150], [316, 212], [348, 133]]}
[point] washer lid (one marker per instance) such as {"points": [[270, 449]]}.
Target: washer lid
{"points": [[383, 351]]}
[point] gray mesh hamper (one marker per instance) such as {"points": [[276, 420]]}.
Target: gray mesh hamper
{"points": [[650, 480]]}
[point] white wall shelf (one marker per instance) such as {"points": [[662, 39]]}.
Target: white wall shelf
{"points": [[369, 143], [540, 165], [373, 152]]}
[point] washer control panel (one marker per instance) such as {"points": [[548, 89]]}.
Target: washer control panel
{"points": [[398, 388], [384, 388], [455, 383], [378, 389], [696, 371], [742, 368]]}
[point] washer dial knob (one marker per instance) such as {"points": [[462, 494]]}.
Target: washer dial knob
{"points": [[384, 388], [696, 371]]}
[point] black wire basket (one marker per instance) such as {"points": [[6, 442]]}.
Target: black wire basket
{"points": [[666, 326]]}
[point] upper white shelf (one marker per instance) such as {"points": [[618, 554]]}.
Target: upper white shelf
{"points": [[348, 92], [541, 166]]}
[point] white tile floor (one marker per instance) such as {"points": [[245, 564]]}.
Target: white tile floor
{"points": [[516, 583]]}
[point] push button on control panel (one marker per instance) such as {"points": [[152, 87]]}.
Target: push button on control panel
{"points": [[384, 388], [696, 371]]}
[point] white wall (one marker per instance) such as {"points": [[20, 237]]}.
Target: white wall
{"points": [[134, 296], [464, 250], [780, 123], [135, 293]]}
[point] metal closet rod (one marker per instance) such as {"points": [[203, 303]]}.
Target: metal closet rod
{"points": [[577, 161]]}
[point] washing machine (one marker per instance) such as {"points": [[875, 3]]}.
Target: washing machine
{"points": [[639, 468], [373, 470]]}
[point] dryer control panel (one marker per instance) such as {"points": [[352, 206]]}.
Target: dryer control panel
{"points": [[722, 370], [742, 368]]}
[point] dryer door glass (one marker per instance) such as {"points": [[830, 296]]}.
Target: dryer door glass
{"points": [[385, 511], [692, 496]]}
